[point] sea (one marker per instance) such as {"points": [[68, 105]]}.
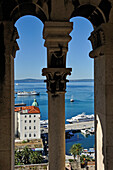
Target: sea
{"points": [[82, 91]]}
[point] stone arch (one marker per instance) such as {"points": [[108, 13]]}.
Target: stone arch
{"points": [[97, 13], [28, 8]]}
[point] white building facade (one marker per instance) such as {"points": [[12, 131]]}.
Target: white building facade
{"points": [[27, 123]]}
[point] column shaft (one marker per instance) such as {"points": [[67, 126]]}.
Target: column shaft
{"points": [[102, 42], [6, 96], [56, 35], [56, 116]]}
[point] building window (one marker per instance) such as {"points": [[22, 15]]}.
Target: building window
{"points": [[29, 115], [29, 127], [25, 135], [25, 127], [34, 135], [34, 127], [30, 135], [34, 115], [34, 121], [25, 121], [29, 121], [25, 116]]}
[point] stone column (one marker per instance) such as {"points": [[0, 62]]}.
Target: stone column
{"points": [[8, 47], [102, 42], [56, 35]]}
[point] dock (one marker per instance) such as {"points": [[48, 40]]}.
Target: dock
{"points": [[79, 125], [74, 126]]}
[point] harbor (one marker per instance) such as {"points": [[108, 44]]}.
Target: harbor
{"points": [[82, 104]]}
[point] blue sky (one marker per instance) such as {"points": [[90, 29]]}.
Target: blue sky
{"points": [[32, 56]]}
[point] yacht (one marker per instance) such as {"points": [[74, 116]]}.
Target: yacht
{"points": [[25, 93], [85, 131], [81, 118]]}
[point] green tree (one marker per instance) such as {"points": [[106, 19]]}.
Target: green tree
{"points": [[82, 158], [35, 158], [25, 155], [76, 149], [18, 157]]}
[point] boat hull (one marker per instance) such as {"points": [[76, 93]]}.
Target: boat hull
{"points": [[27, 94], [78, 121]]}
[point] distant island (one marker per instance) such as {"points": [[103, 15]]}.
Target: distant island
{"points": [[29, 80], [42, 80]]}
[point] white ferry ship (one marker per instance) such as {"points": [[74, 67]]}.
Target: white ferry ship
{"points": [[25, 93], [44, 123], [81, 118]]}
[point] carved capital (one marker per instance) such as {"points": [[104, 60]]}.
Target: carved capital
{"points": [[56, 79], [97, 38], [102, 40]]}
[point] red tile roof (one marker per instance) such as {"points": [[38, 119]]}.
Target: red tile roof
{"points": [[31, 109]]}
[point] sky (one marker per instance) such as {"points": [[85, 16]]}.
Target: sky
{"points": [[32, 56]]}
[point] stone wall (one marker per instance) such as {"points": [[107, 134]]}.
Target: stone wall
{"points": [[32, 167]]}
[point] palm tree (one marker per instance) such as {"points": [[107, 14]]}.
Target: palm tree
{"points": [[25, 155], [18, 157], [76, 149], [35, 157]]}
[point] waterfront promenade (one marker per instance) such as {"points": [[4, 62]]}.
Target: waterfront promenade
{"points": [[74, 126]]}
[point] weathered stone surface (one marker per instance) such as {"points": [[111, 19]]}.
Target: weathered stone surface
{"points": [[5, 160], [36, 167], [102, 54], [7, 97], [56, 34]]}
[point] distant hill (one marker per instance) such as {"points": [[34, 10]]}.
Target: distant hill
{"points": [[84, 80], [42, 80], [29, 81]]}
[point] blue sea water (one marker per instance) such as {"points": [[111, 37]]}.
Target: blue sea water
{"points": [[81, 91]]}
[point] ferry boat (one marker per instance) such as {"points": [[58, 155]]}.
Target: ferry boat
{"points": [[81, 118], [25, 93], [44, 123], [20, 104]]}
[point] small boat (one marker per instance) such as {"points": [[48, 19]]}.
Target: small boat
{"points": [[17, 84], [71, 134], [72, 100], [92, 130], [25, 93], [85, 131]]}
